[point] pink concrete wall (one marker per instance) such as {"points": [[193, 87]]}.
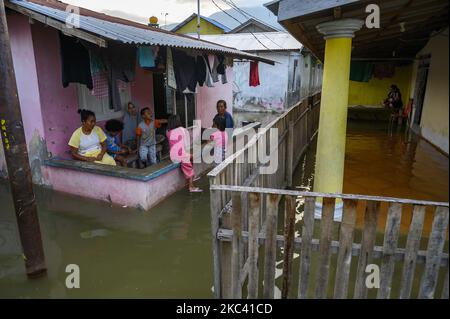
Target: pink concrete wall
{"points": [[125, 192], [26, 76], [59, 104], [207, 98]]}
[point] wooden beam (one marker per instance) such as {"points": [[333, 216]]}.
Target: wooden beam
{"points": [[75, 32]]}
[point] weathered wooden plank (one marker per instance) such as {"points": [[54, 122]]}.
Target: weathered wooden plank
{"points": [[237, 245], [367, 245], [326, 231], [226, 260], [390, 245], [412, 246], [255, 204], [270, 251], [290, 155], [434, 253], [305, 255], [289, 234], [345, 249], [444, 294], [214, 204], [326, 195]]}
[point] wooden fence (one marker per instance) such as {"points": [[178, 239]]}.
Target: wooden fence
{"points": [[267, 242]]}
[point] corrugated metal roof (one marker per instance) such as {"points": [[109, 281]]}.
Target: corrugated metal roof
{"points": [[133, 35], [260, 41]]}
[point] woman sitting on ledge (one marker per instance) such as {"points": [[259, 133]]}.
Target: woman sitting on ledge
{"points": [[88, 143]]}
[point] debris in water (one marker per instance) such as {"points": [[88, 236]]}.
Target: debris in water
{"points": [[95, 233]]}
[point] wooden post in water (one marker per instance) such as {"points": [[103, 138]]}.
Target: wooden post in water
{"points": [[16, 156]]}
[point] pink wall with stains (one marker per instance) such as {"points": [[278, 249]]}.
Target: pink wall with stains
{"points": [[26, 76], [207, 98], [59, 105]]}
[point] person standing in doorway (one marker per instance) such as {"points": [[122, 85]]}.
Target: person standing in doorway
{"points": [[130, 123]]}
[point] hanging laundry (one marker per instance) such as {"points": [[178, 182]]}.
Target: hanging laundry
{"points": [[96, 63], [75, 62], [361, 71], [99, 76], [384, 70], [200, 70], [214, 73], [171, 81], [208, 78], [254, 74], [100, 85], [184, 66], [146, 57], [120, 62]]}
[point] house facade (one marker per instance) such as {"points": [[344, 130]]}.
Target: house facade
{"points": [[49, 110]]}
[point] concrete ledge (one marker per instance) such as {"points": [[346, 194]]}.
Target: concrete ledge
{"points": [[143, 175]]}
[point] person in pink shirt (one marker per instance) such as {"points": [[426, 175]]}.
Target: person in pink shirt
{"points": [[220, 138], [178, 138]]}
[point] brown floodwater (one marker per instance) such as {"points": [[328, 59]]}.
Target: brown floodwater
{"points": [[166, 252]]}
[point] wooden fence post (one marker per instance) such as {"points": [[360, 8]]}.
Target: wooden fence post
{"points": [[253, 245], [215, 210], [367, 244], [289, 234], [270, 253], [434, 253], [16, 155], [290, 154]]}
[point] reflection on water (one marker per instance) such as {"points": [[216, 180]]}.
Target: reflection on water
{"points": [[166, 252]]}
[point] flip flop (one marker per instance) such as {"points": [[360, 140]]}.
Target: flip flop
{"points": [[195, 190]]}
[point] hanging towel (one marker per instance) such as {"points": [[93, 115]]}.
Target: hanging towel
{"points": [[361, 71], [200, 70], [75, 62], [214, 72], [146, 57], [120, 62], [171, 81], [208, 78], [184, 66], [96, 63], [100, 83], [254, 74]]}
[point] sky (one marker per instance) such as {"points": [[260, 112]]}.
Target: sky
{"points": [[177, 10]]}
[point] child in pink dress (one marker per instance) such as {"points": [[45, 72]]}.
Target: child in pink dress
{"points": [[178, 138], [220, 138]]}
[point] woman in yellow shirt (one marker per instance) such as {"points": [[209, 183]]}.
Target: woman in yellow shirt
{"points": [[88, 143]]}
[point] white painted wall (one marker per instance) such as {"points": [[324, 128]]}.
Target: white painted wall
{"points": [[271, 93], [434, 123]]}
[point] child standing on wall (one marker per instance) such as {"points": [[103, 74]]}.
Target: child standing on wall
{"points": [[220, 138], [146, 137], [178, 138]]}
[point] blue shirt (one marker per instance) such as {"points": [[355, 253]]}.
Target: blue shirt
{"points": [[112, 143], [229, 123]]}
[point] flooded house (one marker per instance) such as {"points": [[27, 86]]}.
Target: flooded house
{"points": [[48, 38]]}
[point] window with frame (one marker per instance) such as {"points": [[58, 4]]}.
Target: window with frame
{"points": [[99, 104]]}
